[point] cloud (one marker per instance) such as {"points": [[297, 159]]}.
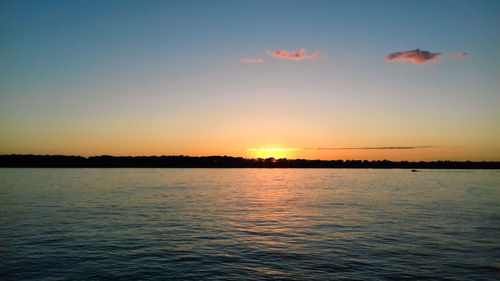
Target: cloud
{"points": [[246, 60], [416, 56], [458, 55], [374, 147], [343, 148], [299, 55]]}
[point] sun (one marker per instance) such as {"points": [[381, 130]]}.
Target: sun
{"points": [[276, 153]]}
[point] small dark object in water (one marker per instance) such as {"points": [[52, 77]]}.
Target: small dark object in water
{"points": [[415, 170]]}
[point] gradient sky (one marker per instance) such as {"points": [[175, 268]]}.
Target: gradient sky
{"points": [[207, 78]]}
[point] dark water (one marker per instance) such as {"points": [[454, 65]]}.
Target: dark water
{"points": [[247, 224]]}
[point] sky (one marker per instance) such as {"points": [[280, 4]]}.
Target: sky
{"points": [[396, 80]]}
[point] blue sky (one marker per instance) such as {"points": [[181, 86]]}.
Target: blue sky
{"points": [[170, 72]]}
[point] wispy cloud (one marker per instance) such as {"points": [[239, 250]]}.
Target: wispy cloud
{"points": [[373, 147], [343, 148], [416, 56], [249, 60], [299, 55], [458, 55]]}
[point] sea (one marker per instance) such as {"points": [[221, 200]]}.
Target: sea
{"points": [[249, 224]]}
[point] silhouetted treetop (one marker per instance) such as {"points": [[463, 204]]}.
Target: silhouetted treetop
{"points": [[181, 161]]}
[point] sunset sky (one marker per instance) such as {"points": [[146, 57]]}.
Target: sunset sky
{"points": [[397, 80]]}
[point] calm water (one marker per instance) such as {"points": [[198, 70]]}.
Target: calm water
{"points": [[247, 224]]}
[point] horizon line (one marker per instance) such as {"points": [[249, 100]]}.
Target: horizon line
{"points": [[241, 157]]}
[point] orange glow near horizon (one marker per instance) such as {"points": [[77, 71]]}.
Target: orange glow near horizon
{"points": [[277, 153]]}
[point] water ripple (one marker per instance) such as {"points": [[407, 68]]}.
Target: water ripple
{"points": [[248, 224]]}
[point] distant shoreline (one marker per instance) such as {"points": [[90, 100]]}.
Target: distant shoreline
{"points": [[105, 161]]}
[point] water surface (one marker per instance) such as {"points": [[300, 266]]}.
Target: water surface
{"points": [[247, 224]]}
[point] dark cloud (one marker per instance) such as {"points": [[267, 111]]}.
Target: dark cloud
{"points": [[342, 148], [370, 148], [416, 56]]}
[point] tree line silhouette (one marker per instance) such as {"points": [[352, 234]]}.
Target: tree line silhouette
{"points": [[181, 161]]}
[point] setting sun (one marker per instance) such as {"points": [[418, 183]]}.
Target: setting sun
{"points": [[277, 153]]}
